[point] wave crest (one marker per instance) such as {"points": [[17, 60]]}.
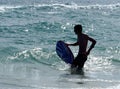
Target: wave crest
{"points": [[58, 6], [38, 55]]}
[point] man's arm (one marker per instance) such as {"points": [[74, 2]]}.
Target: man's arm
{"points": [[74, 44], [92, 45]]}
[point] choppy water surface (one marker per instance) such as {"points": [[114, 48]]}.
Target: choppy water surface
{"points": [[29, 31]]}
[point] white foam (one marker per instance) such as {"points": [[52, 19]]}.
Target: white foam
{"points": [[114, 87], [4, 8], [111, 87], [76, 6], [70, 6], [98, 63]]}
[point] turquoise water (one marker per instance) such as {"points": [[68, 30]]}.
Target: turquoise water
{"points": [[30, 29]]}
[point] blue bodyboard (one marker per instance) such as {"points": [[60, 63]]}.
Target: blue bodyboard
{"points": [[64, 52]]}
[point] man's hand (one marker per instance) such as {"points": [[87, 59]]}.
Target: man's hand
{"points": [[66, 44], [87, 53]]}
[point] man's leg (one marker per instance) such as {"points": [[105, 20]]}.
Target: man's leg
{"points": [[74, 65], [82, 61]]}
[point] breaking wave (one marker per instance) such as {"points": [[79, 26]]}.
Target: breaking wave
{"points": [[61, 6]]}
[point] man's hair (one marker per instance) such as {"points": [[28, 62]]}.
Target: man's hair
{"points": [[78, 28]]}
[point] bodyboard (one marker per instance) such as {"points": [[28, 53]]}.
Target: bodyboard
{"points": [[64, 52]]}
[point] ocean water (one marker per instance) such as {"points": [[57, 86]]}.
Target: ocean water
{"points": [[29, 30]]}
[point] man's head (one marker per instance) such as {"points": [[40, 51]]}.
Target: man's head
{"points": [[78, 29]]}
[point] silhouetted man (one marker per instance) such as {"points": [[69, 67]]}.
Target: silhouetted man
{"points": [[82, 41]]}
